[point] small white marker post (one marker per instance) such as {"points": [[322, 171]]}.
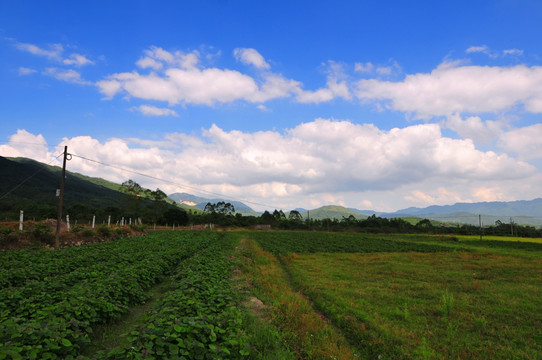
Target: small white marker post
{"points": [[68, 222], [93, 221], [21, 217], [109, 221]]}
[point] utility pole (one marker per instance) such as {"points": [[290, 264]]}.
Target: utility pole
{"points": [[61, 198], [480, 220]]}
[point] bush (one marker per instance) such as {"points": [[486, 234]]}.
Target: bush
{"points": [[104, 231], [138, 228], [121, 231], [77, 229], [89, 233], [4, 230], [43, 233]]}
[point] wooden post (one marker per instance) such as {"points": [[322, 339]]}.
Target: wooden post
{"points": [[21, 218], [93, 221], [61, 197], [68, 222]]}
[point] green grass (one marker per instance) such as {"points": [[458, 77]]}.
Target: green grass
{"points": [[436, 306], [414, 296]]}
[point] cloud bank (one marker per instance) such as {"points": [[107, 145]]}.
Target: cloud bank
{"points": [[311, 163]]}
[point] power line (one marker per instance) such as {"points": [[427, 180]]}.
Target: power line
{"points": [[173, 182]]}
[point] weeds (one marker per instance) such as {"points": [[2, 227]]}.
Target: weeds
{"points": [[447, 303]]}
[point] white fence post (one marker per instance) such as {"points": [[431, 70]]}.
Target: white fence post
{"points": [[109, 221], [21, 217], [68, 222], [93, 221]]}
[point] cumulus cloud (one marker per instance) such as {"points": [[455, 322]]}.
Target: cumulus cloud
{"points": [[473, 127], [333, 90], [25, 144], [526, 142], [154, 111], [250, 57], [177, 77], [315, 161], [452, 88]]}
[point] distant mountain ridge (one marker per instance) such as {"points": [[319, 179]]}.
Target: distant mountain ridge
{"points": [[532, 208], [525, 212]]}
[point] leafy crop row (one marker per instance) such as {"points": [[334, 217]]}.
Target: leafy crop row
{"points": [[196, 320], [284, 242], [50, 300]]}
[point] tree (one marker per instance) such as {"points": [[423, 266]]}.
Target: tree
{"points": [[295, 216], [158, 195], [279, 215], [176, 216], [159, 205], [131, 187], [267, 218]]}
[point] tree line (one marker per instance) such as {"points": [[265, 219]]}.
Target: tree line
{"points": [[153, 207]]}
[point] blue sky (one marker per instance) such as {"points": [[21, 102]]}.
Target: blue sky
{"points": [[374, 105]]}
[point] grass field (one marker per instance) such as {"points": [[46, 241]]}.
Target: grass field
{"points": [[465, 303]]}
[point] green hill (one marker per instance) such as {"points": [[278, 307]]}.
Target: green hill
{"points": [[31, 186], [332, 212]]}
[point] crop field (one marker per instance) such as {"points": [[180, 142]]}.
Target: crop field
{"points": [[52, 301], [274, 295], [421, 298]]}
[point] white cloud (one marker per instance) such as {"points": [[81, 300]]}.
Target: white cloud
{"points": [[392, 68], [333, 90], [180, 78], [526, 141], [70, 75], [53, 52], [367, 67], [479, 49], [484, 49], [26, 71], [320, 161], [250, 57], [473, 127], [513, 52], [77, 60], [452, 88], [25, 144], [154, 111]]}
